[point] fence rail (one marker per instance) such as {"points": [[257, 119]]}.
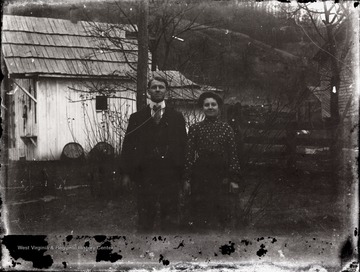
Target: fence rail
{"points": [[290, 144], [290, 125]]}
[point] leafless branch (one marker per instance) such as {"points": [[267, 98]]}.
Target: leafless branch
{"points": [[315, 25]]}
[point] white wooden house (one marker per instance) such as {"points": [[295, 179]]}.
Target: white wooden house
{"points": [[73, 82], [64, 84]]}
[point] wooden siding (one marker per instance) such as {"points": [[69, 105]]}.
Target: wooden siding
{"points": [[23, 120], [77, 119], [65, 115]]}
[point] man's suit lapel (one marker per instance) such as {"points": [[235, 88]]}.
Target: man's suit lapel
{"points": [[146, 114], [165, 118]]}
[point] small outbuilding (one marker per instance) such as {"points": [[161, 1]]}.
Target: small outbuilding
{"points": [[74, 82], [64, 84]]}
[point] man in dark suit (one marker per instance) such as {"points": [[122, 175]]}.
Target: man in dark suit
{"points": [[152, 158]]}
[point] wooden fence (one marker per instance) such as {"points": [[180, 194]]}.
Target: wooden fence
{"points": [[275, 139]]}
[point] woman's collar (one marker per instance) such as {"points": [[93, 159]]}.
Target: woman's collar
{"points": [[211, 118]]}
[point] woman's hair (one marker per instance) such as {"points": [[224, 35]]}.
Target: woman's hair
{"points": [[205, 95], [157, 78]]}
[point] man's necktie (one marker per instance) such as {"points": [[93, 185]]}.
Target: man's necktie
{"points": [[157, 114]]}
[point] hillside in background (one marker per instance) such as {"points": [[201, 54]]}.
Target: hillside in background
{"points": [[230, 50]]}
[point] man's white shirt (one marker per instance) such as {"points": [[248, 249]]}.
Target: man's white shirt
{"points": [[161, 104]]}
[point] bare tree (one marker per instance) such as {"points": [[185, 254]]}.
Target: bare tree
{"points": [[143, 40], [328, 28], [332, 25], [123, 42]]}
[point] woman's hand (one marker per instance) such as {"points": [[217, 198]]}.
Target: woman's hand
{"points": [[126, 182], [225, 181], [187, 187]]}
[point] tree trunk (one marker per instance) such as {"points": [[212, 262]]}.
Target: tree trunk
{"points": [[153, 50], [335, 148], [142, 64]]}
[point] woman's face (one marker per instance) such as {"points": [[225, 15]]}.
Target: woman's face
{"points": [[210, 107]]}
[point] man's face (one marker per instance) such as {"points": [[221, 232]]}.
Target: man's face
{"points": [[157, 91]]}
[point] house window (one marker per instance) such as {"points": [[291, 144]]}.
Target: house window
{"points": [[101, 103]]}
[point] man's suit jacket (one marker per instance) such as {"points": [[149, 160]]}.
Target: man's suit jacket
{"points": [[146, 141]]}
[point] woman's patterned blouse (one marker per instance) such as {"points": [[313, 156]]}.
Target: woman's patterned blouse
{"points": [[211, 135]]}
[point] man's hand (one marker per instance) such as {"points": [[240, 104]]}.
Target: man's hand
{"points": [[234, 187], [126, 182], [187, 187]]}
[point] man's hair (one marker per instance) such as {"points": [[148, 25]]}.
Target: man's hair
{"points": [[158, 79], [205, 95]]}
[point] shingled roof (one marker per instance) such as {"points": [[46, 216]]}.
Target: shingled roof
{"points": [[56, 47]]}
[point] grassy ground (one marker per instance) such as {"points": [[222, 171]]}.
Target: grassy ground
{"points": [[269, 201], [294, 220]]}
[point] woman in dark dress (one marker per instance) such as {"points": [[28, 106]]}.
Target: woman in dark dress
{"points": [[211, 166]]}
